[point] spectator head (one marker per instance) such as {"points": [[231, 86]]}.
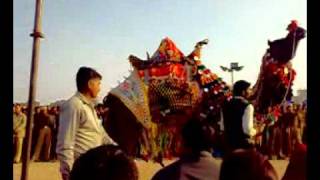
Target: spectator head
{"points": [[241, 88], [104, 162], [290, 108], [18, 108], [44, 110], [88, 81], [198, 136], [53, 110], [247, 165], [56, 110], [37, 110], [24, 109]]}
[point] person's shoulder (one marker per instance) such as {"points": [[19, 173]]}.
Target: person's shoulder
{"points": [[73, 103], [250, 106], [169, 172], [239, 99]]}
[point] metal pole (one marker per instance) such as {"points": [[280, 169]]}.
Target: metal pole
{"points": [[32, 89]]}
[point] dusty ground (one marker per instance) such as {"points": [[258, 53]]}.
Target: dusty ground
{"points": [[50, 170]]}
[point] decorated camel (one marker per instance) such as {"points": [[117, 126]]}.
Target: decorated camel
{"points": [[274, 84], [148, 109]]}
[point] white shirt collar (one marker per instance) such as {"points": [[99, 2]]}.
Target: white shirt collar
{"points": [[85, 99]]}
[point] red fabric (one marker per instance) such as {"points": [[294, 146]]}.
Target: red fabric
{"points": [[301, 148], [168, 50], [293, 26], [276, 111], [279, 71], [175, 70]]}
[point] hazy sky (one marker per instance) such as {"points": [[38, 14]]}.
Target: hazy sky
{"points": [[103, 33]]}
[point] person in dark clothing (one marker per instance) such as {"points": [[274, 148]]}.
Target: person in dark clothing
{"points": [[54, 113], [286, 128], [35, 128], [46, 123], [238, 116], [196, 161]]}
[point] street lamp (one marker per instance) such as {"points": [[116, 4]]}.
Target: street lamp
{"points": [[234, 66]]}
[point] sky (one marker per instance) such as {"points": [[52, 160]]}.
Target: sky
{"points": [[103, 33]]}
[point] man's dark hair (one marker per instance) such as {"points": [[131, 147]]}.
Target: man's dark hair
{"points": [[197, 135], [100, 105], [239, 87], [84, 74], [247, 165], [104, 162]]}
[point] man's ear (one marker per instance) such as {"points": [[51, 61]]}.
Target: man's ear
{"points": [[90, 83]]}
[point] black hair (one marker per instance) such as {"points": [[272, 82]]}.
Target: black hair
{"points": [[239, 87], [100, 105], [84, 74], [104, 162], [197, 135]]}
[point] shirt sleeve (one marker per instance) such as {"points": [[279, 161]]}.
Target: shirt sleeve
{"points": [[69, 116], [247, 121]]}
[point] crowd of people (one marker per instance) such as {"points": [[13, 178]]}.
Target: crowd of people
{"points": [[196, 162], [282, 128], [44, 131], [73, 133]]}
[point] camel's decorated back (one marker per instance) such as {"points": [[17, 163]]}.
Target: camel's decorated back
{"points": [[161, 94]]}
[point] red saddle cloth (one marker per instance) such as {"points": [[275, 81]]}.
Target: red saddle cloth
{"points": [[165, 70]]}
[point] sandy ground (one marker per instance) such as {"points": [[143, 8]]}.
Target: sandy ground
{"points": [[50, 170]]}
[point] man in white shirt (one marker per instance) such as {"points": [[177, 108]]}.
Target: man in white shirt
{"points": [[80, 128], [238, 116]]}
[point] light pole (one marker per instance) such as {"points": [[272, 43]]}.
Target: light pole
{"points": [[37, 34], [234, 66]]}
